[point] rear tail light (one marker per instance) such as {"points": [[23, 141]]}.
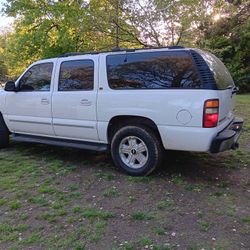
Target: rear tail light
{"points": [[211, 113]]}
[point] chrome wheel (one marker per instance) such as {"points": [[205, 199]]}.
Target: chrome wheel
{"points": [[133, 152]]}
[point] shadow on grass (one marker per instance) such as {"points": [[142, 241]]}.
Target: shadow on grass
{"points": [[196, 167]]}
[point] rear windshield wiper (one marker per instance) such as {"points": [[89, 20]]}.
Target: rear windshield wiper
{"points": [[235, 89]]}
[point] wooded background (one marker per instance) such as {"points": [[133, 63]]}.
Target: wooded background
{"points": [[48, 28]]}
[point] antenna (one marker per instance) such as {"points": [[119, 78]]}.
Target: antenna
{"points": [[117, 25]]}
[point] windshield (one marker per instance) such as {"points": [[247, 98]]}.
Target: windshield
{"points": [[221, 74]]}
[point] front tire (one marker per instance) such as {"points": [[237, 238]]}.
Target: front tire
{"points": [[4, 133], [136, 150]]}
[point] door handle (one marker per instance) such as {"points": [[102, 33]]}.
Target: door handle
{"points": [[85, 102], [44, 101]]}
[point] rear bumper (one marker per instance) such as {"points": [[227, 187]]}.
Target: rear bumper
{"points": [[228, 138]]}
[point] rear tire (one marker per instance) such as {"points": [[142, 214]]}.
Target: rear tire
{"points": [[136, 150], [4, 133]]}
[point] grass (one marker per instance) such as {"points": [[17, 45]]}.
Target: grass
{"points": [[111, 192], [11, 233], [39, 200], [131, 199], [144, 243], [76, 195], [178, 179], [205, 225], [193, 187], [73, 187], [2, 202], [164, 204], [50, 217], [32, 238], [24, 216], [219, 194], [77, 209], [139, 215], [94, 213], [47, 189], [141, 179], [15, 204], [159, 230], [99, 231], [245, 219], [106, 176], [57, 205]]}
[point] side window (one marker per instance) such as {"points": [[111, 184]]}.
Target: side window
{"points": [[37, 78], [76, 75], [152, 70]]}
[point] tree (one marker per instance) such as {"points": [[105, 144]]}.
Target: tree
{"points": [[49, 28], [229, 38], [3, 67], [169, 22]]}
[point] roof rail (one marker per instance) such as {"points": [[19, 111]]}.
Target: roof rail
{"points": [[123, 49], [132, 50], [78, 53], [175, 47], [117, 50]]}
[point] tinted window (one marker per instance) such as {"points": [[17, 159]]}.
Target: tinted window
{"points": [[76, 75], [152, 70], [37, 78], [221, 74]]}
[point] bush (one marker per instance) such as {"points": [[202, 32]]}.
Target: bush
{"points": [[243, 83]]}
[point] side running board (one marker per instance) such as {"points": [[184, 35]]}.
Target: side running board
{"points": [[100, 147]]}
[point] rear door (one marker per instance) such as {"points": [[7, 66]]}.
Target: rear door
{"points": [[74, 98], [225, 84]]}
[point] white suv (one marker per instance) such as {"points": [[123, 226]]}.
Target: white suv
{"points": [[135, 103]]}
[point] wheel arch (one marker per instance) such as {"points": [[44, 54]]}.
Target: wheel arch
{"points": [[3, 121], [119, 121]]}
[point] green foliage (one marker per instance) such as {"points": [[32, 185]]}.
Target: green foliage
{"points": [[49, 28], [229, 39], [3, 67]]}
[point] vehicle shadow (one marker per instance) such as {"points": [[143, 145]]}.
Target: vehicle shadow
{"points": [[196, 167]]}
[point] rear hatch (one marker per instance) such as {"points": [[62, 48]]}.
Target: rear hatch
{"points": [[226, 89]]}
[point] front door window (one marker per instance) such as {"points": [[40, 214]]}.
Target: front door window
{"points": [[37, 78]]}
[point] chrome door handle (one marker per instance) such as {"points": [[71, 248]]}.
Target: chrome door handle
{"points": [[44, 101]]}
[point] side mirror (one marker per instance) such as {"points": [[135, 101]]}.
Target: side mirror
{"points": [[10, 86]]}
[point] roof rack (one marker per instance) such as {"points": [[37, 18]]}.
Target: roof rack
{"points": [[117, 50], [78, 53], [175, 47]]}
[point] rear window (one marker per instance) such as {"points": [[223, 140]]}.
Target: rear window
{"points": [[152, 70], [221, 74]]}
